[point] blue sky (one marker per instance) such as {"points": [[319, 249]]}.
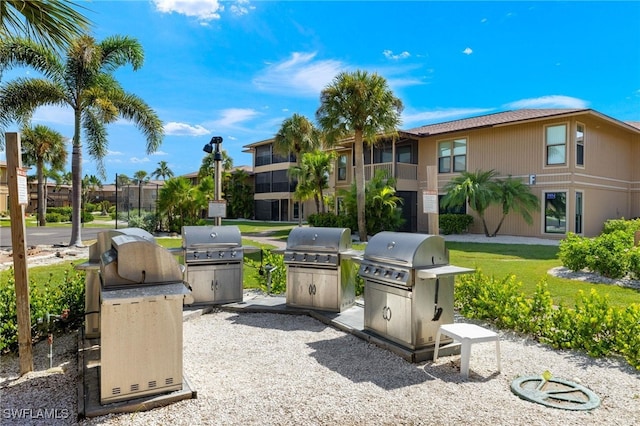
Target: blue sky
{"points": [[237, 69]]}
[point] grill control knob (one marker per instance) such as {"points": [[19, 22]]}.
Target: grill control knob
{"points": [[195, 254], [376, 272], [399, 276], [387, 273], [208, 254], [221, 254], [233, 253]]}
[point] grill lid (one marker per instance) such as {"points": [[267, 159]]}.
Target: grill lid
{"points": [[203, 237], [136, 260], [312, 239], [407, 250]]}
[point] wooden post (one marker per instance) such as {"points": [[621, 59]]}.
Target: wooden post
{"points": [[432, 186], [636, 239], [19, 245]]}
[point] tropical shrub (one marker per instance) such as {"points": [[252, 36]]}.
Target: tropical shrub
{"points": [[49, 298], [53, 217], [591, 324], [455, 223]]}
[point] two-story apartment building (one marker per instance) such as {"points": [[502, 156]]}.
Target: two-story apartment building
{"points": [[581, 164]]}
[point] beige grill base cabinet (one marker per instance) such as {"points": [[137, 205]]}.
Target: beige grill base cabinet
{"points": [[141, 341]]}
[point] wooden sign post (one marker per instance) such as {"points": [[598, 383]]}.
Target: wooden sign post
{"points": [[18, 197]]}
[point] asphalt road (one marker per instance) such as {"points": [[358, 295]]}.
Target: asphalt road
{"points": [[45, 235]]}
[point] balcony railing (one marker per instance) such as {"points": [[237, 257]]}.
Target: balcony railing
{"points": [[402, 170]]}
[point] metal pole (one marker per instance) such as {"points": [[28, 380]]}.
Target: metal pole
{"points": [[139, 196], [116, 201], [218, 187]]}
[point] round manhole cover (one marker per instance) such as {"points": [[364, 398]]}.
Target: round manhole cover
{"points": [[556, 393]]}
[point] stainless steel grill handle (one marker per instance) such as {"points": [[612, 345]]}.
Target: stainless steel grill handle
{"points": [[386, 313]]}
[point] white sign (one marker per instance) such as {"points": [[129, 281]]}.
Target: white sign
{"points": [[430, 202], [23, 192], [217, 209]]}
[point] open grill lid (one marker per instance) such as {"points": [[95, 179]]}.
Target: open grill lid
{"points": [[313, 240], [211, 237], [406, 250], [104, 241]]}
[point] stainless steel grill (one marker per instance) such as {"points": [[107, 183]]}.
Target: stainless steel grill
{"points": [[141, 302], [213, 258], [408, 287], [320, 272], [92, 276]]}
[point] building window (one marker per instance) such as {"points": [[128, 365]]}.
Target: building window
{"points": [[263, 155], [342, 167], [580, 144], [452, 156], [556, 144], [555, 212], [578, 229], [407, 154]]}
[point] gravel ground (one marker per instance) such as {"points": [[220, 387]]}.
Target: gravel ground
{"points": [[257, 369]]}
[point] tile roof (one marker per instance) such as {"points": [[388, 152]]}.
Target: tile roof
{"points": [[488, 120]]}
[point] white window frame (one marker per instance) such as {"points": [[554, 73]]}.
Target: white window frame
{"points": [[544, 213], [546, 145], [584, 136], [453, 156]]}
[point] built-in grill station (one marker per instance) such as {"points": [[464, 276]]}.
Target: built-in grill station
{"points": [[320, 271], [141, 300], [213, 258], [92, 276], [408, 290]]}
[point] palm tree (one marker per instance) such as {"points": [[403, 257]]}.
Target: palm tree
{"points": [[361, 105], [297, 135], [313, 174], [50, 23], [163, 171], [90, 184], [477, 189], [83, 81], [514, 195], [140, 177], [41, 146]]}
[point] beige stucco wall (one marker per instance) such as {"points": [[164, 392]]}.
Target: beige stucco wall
{"points": [[609, 180]]}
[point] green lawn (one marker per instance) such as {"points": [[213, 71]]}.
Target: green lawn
{"points": [[530, 263]]}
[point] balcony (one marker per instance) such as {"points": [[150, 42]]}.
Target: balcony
{"points": [[400, 171]]}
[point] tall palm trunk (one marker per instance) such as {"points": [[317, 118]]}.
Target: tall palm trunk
{"points": [[360, 196], [42, 199], [76, 193]]}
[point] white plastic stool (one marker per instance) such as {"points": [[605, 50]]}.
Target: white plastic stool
{"points": [[467, 334]]}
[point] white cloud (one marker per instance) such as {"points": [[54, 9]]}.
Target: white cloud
{"points": [[467, 51], [299, 75], [109, 152], [137, 160], [203, 10], [428, 117], [182, 129], [159, 153], [232, 116], [552, 101], [241, 7], [389, 55]]}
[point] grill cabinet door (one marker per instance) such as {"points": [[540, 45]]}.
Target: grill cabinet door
{"points": [[313, 288], [299, 286], [215, 283], [388, 312]]}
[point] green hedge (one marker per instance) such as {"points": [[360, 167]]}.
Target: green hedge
{"points": [[50, 298], [455, 223], [611, 254], [591, 324]]}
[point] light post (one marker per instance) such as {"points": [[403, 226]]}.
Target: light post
{"points": [[217, 158]]}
